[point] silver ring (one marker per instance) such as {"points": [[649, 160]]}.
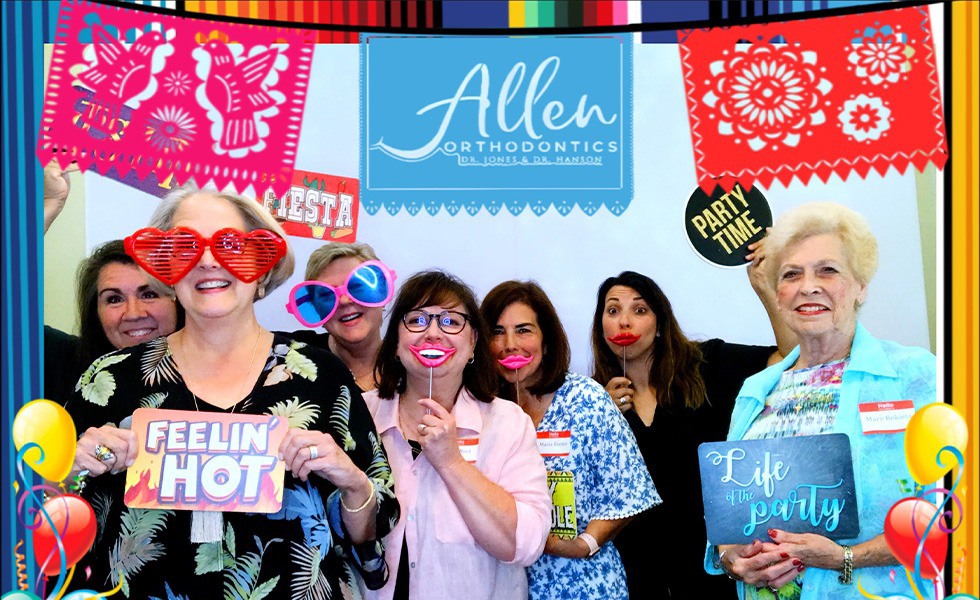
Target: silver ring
{"points": [[103, 453], [622, 401], [422, 427], [314, 453]]}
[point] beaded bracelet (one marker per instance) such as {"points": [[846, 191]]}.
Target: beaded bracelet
{"points": [[361, 507]]}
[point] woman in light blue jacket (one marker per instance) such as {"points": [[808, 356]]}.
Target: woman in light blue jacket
{"points": [[822, 257]]}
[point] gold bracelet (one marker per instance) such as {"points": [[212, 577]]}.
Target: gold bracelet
{"points": [[361, 507]]}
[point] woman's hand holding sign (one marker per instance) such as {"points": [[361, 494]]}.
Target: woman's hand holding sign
{"points": [[104, 449], [759, 564], [304, 452]]}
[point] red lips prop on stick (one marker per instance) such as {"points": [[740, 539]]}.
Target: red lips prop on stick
{"points": [[624, 339], [515, 362], [170, 255]]}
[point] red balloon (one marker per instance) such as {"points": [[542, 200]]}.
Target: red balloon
{"points": [[902, 539], [77, 538]]}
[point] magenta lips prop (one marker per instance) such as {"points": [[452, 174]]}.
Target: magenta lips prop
{"points": [[624, 339], [515, 361]]}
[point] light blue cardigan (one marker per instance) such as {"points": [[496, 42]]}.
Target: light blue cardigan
{"points": [[877, 371]]}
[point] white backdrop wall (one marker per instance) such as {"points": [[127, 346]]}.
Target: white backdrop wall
{"points": [[570, 255]]}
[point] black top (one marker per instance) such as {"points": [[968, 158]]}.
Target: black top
{"points": [[62, 364], [304, 545], [313, 337], [663, 548]]}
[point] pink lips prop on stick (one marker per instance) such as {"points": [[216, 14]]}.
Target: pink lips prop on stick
{"points": [[431, 355], [515, 362], [624, 339]]}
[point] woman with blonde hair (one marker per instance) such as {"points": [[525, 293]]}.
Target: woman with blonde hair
{"points": [[345, 291]]}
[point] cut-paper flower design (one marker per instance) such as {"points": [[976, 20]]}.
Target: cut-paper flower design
{"points": [[177, 83], [767, 95], [170, 128], [881, 55], [864, 118]]}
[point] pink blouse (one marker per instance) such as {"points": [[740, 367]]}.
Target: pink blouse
{"points": [[445, 560]]}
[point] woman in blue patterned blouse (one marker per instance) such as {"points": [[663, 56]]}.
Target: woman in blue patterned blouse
{"points": [[595, 471]]}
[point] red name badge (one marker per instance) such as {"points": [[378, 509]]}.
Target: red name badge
{"points": [[885, 417], [555, 443]]}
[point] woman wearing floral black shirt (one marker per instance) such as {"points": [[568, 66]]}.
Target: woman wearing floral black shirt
{"points": [[338, 498]]}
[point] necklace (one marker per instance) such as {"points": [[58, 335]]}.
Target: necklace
{"points": [[208, 525], [248, 367], [402, 424]]}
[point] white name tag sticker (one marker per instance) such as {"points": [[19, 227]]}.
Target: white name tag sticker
{"points": [[469, 447], [885, 417], [555, 443]]}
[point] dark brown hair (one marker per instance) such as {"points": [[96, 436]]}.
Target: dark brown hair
{"points": [[428, 288], [675, 372], [93, 342], [556, 354]]}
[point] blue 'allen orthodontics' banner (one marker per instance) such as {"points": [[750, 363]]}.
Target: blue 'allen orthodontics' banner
{"points": [[480, 122]]}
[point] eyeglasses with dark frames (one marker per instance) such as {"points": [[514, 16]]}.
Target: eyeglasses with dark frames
{"points": [[449, 321]]}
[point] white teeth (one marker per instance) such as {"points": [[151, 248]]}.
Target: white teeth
{"points": [[431, 353], [138, 332], [810, 308], [213, 284], [349, 318]]}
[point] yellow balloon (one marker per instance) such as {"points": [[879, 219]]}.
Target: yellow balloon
{"points": [[931, 428], [49, 425]]}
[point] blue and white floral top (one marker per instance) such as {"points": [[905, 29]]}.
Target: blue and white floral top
{"points": [[611, 481]]}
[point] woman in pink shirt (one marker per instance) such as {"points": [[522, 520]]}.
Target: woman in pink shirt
{"points": [[475, 503]]}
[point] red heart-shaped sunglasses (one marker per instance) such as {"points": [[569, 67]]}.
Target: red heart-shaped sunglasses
{"points": [[170, 255]]}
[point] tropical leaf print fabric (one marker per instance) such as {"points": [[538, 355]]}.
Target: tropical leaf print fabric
{"points": [[301, 552]]}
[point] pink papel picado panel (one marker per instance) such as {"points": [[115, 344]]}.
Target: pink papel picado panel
{"points": [[813, 97], [175, 97]]}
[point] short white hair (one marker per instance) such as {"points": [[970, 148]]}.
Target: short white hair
{"points": [[818, 218]]}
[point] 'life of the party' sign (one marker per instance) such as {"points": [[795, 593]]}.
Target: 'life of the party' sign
{"points": [[206, 461], [527, 121], [799, 484]]}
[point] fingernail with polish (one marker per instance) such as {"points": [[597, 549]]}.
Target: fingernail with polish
{"points": [[797, 562], [772, 533], [800, 568], [784, 555]]}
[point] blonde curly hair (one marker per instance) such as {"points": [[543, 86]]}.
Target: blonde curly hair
{"points": [[818, 218]]}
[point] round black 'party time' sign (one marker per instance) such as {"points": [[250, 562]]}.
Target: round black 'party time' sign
{"points": [[721, 226]]}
